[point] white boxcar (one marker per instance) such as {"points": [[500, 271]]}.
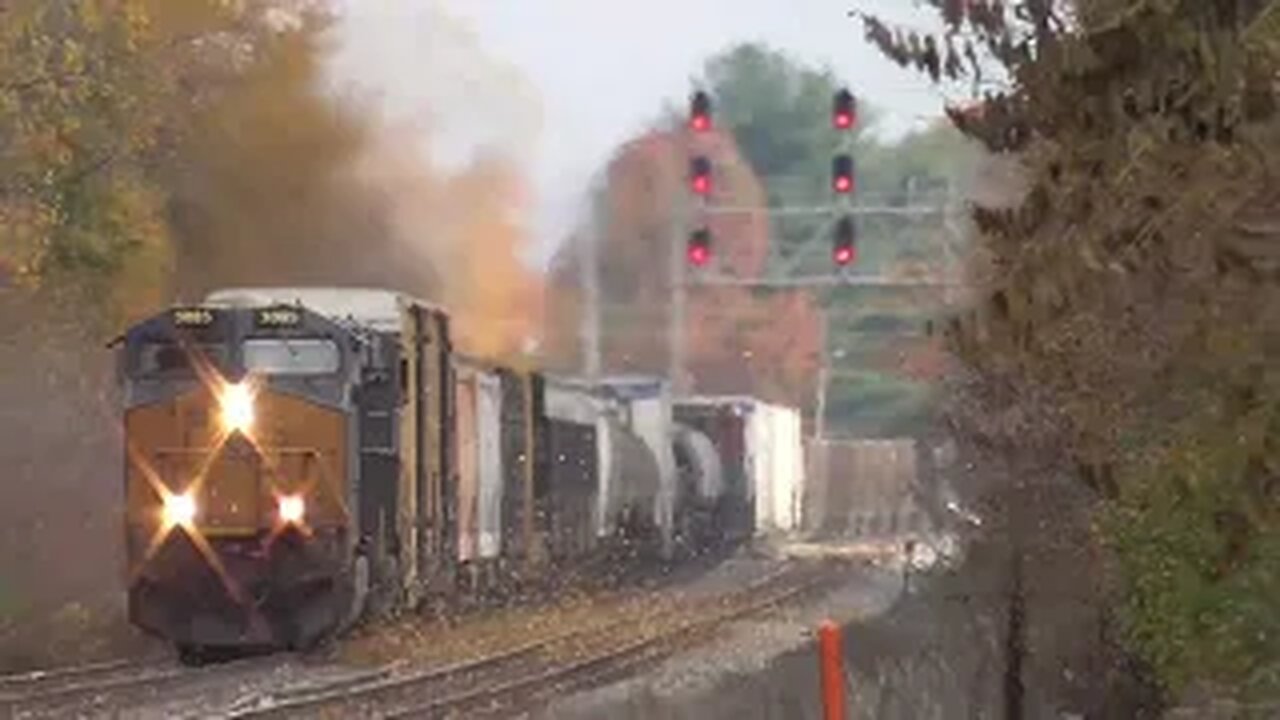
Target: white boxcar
{"points": [[777, 451], [479, 461], [768, 438]]}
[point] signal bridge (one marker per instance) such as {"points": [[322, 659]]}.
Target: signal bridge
{"points": [[784, 275], [833, 280]]}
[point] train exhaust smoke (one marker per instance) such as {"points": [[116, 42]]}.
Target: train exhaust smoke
{"points": [[466, 227], [445, 160]]}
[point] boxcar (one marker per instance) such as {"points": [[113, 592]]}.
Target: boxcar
{"points": [[762, 458]]}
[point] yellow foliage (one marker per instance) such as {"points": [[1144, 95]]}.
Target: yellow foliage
{"points": [[91, 96], [113, 108]]}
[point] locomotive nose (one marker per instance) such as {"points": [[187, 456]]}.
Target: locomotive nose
{"points": [[230, 497]]}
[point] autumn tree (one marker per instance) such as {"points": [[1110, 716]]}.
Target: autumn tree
{"points": [[1129, 314], [85, 114]]}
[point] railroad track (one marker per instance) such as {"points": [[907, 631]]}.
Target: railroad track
{"points": [[115, 683], [67, 681], [537, 669], [19, 682]]}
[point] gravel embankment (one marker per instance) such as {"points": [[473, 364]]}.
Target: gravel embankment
{"points": [[757, 668]]}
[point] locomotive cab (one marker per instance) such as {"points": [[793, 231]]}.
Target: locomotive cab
{"points": [[241, 442]]}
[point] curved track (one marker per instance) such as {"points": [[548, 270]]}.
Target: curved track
{"points": [[575, 659]]}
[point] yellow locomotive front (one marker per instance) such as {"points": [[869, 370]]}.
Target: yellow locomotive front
{"points": [[240, 435]]}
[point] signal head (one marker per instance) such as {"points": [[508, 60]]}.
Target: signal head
{"points": [[844, 110], [700, 247], [842, 180], [700, 175], [700, 111], [844, 249]]}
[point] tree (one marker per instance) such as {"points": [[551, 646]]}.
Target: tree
{"points": [[82, 117], [1128, 307]]}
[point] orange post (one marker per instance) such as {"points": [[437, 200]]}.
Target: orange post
{"points": [[830, 652]]}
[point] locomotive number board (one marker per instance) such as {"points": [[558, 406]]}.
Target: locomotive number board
{"points": [[279, 317], [192, 317]]}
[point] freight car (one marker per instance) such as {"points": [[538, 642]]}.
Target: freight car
{"points": [[761, 454], [300, 458]]}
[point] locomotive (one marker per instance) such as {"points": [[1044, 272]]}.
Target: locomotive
{"points": [[300, 458]]}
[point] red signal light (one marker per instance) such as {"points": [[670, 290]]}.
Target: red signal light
{"points": [[844, 249], [844, 110], [700, 112], [842, 174], [699, 255], [699, 250], [700, 175]]}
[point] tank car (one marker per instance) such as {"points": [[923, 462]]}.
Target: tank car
{"points": [[700, 496]]}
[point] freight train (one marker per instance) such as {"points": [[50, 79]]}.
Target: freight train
{"points": [[300, 458]]}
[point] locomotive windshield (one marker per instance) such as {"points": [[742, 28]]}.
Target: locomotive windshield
{"points": [[297, 356], [167, 359]]}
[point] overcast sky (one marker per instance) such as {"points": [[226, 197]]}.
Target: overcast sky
{"points": [[560, 83]]}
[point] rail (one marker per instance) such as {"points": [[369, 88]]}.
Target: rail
{"points": [[575, 658]]}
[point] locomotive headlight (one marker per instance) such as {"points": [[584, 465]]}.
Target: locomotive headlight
{"points": [[292, 509], [237, 408], [179, 510]]}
